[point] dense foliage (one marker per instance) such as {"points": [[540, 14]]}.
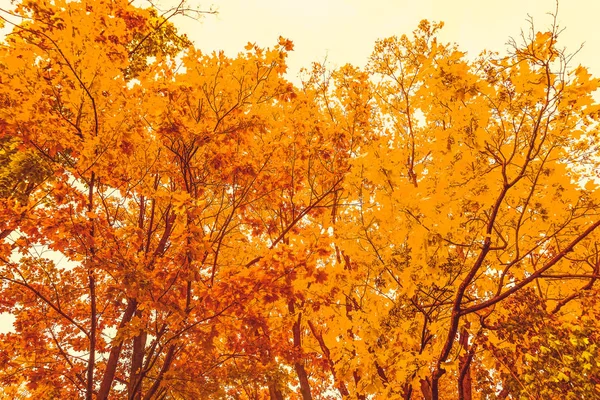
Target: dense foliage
{"points": [[181, 225]]}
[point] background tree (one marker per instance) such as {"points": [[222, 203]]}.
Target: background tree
{"points": [[469, 196]]}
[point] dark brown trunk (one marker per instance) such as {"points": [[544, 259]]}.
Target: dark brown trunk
{"points": [[134, 390], [407, 391], [465, 385], [166, 365], [426, 389], [274, 391], [464, 377], [89, 392], [92, 357], [303, 378], [115, 353], [299, 364]]}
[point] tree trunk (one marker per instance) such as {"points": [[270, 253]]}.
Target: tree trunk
{"points": [[115, 353], [134, 390], [166, 365], [92, 357], [303, 378], [92, 287], [299, 365], [426, 389], [274, 391], [464, 378]]}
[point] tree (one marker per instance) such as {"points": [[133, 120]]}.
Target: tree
{"points": [[186, 225]]}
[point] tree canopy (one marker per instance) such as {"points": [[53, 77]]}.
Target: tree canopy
{"points": [[182, 225]]}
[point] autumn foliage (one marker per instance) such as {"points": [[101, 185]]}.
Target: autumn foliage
{"points": [[182, 225]]}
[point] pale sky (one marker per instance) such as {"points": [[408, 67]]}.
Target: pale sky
{"points": [[345, 31]]}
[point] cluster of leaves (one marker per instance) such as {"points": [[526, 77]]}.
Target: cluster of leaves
{"points": [[181, 225]]}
